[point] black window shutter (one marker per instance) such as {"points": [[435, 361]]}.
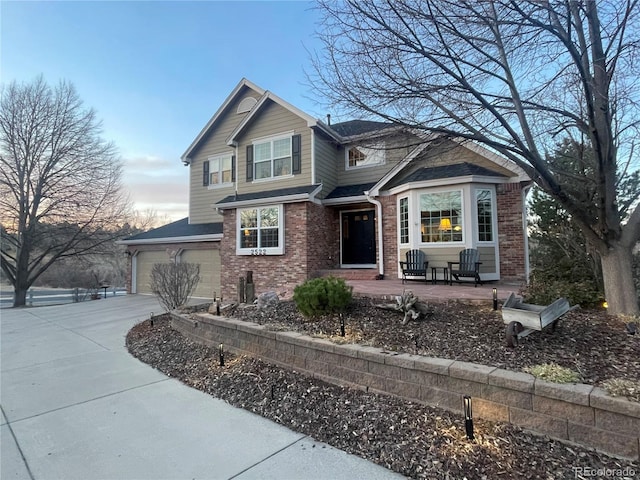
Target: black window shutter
{"points": [[249, 163], [296, 154], [205, 173], [233, 168]]}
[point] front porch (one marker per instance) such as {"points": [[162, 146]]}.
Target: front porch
{"points": [[440, 292]]}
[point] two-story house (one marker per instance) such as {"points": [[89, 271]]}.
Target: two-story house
{"points": [[289, 197]]}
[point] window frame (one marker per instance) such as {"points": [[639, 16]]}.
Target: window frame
{"points": [[258, 249], [493, 214], [379, 149], [272, 158], [404, 225], [461, 223], [219, 158]]}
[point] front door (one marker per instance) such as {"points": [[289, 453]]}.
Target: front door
{"points": [[358, 238]]}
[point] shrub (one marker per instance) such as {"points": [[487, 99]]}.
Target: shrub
{"points": [[553, 372], [173, 283], [322, 295], [547, 285]]}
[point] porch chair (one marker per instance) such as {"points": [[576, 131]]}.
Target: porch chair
{"points": [[415, 265], [467, 267]]}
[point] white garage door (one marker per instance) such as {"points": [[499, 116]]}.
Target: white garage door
{"points": [[144, 264], [209, 261]]}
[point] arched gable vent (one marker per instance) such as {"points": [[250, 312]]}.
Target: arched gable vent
{"points": [[246, 104]]}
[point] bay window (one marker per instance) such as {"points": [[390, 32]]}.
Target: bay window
{"points": [[441, 217]]}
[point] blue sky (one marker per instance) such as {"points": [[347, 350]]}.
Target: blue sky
{"points": [[157, 71]]}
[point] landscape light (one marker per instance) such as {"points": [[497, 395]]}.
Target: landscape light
{"points": [[468, 416], [341, 325], [221, 352], [495, 298]]}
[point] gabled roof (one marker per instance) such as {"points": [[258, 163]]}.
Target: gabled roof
{"points": [[243, 83], [177, 231], [282, 195]]}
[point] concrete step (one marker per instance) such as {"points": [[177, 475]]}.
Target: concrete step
{"points": [[351, 273]]}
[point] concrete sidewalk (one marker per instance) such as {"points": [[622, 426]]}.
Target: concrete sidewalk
{"points": [[76, 405]]}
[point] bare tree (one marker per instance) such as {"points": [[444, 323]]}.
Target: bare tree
{"points": [[517, 76], [173, 283], [60, 182]]}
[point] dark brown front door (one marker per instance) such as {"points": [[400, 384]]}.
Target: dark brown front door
{"points": [[358, 238]]}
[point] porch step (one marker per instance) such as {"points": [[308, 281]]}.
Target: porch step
{"points": [[351, 273]]}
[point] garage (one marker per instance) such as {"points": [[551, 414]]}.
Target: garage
{"points": [[209, 261], [143, 263]]}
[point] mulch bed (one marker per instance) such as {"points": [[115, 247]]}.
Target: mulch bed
{"points": [[415, 440]]}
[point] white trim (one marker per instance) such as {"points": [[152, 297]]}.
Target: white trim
{"points": [[380, 246], [261, 201], [446, 182], [134, 272], [214, 237], [271, 139], [375, 190], [279, 250], [345, 200], [356, 265], [313, 155]]}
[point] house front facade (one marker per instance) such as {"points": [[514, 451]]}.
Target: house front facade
{"points": [[289, 197]]}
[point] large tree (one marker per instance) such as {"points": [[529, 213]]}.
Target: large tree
{"points": [[60, 181], [514, 75]]}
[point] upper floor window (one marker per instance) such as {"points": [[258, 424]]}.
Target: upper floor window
{"points": [[273, 157], [261, 230], [441, 217], [484, 200], [365, 156], [218, 170]]}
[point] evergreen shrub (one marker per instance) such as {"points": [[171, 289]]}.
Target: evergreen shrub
{"points": [[322, 295]]}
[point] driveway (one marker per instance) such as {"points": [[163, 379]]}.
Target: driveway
{"points": [[76, 405]]}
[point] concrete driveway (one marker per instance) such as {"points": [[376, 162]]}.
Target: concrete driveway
{"points": [[76, 405]]}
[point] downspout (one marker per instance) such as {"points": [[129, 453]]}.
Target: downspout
{"points": [[378, 205], [527, 267]]}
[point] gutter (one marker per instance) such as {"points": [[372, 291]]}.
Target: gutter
{"points": [[378, 205], [184, 239]]}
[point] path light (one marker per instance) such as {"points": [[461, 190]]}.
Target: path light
{"points": [[495, 298], [341, 325], [221, 352], [151, 319], [468, 417]]}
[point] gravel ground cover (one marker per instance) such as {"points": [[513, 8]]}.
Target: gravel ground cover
{"points": [[415, 440]]}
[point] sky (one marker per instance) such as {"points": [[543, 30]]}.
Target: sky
{"points": [[157, 71]]}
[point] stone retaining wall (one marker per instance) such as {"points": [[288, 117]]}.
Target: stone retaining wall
{"points": [[578, 413]]}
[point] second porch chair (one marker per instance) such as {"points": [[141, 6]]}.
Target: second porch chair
{"points": [[467, 267]]}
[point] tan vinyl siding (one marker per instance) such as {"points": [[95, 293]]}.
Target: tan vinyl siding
{"points": [[201, 198], [274, 120], [327, 156]]}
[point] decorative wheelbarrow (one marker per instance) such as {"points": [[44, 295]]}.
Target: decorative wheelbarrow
{"points": [[523, 318]]}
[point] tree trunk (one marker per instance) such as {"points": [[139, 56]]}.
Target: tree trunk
{"points": [[619, 288], [20, 297]]}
